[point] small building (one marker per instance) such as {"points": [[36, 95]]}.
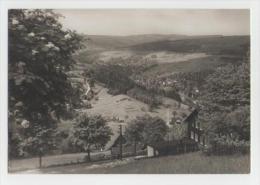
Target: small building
{"points": [[195, 131], [188, 127], [116, 137], [185, 135], [171, 147]]}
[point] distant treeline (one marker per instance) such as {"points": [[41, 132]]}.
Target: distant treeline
{"points": [[215, 45], [145, 96], [116, 77]]}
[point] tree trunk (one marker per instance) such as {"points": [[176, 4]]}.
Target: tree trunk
{"points": [[135, 148], [89, 159], [40, 160]]}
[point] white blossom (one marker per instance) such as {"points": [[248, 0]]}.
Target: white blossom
{"points": [[25, 123], [31, 34], [19, 104], [42, 38], [48, 14], [39, 115], [34, 52], [20, 27], [56, 48], [20, 66], [15, 21], [67, 36], [50, 45], [27, 13]]}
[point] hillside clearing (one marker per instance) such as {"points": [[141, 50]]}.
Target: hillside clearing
{"points": [[126, 108]]}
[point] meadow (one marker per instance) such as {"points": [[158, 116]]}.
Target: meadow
{"points": [[191, 163]]}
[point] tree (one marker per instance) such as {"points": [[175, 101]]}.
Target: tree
{"points": [[116, 77], [239, 122], [147, 130], [39, 140], [228, 86], [134, 131], [155, 131], [225, 100], [40, 54], [90, 131]]}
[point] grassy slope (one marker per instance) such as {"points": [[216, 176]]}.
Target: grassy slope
{"points": [[126, 108], [192, 163]]}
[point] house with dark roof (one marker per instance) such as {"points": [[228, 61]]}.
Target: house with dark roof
{"points": [[195, 131], [185, 135]]}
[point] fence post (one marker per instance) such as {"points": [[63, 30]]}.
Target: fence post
{"points": [[135, 148], [40, 160], [121, 142]]}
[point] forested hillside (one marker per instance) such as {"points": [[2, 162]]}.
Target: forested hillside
{"points": [[217, 45]]}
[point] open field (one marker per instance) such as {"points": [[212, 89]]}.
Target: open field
{"points": [[194, 65], [159, 57], [127, 108], [192, 163]]}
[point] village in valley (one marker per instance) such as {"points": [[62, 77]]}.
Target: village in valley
{"points": [[137, 104]]}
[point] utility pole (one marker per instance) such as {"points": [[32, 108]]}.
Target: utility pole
{"points": [[40, 157], [121, 142]]}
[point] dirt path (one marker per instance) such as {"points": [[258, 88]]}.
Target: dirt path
{"points": [[33, 163]]}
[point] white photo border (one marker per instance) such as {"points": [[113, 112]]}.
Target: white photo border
{"points": [[250, 179]]}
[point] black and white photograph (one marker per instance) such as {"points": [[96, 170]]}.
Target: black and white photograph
{"points": [[112, 91], [129, 91]]}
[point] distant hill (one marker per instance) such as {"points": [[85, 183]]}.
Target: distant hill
{"points": [[223, 45], [167, 50], [104, 42]]}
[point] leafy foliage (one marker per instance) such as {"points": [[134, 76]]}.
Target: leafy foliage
{"points": [[90, 131], [116, 77], [147, 130], [40, 54], [39, 141], [229, 86], [224, 145], [225, 104]]}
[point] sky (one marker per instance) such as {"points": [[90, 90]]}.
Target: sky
{"points": [[159, 21]]}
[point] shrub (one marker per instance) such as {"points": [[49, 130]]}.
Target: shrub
{"points": [[226, 146], [14, 142]]}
